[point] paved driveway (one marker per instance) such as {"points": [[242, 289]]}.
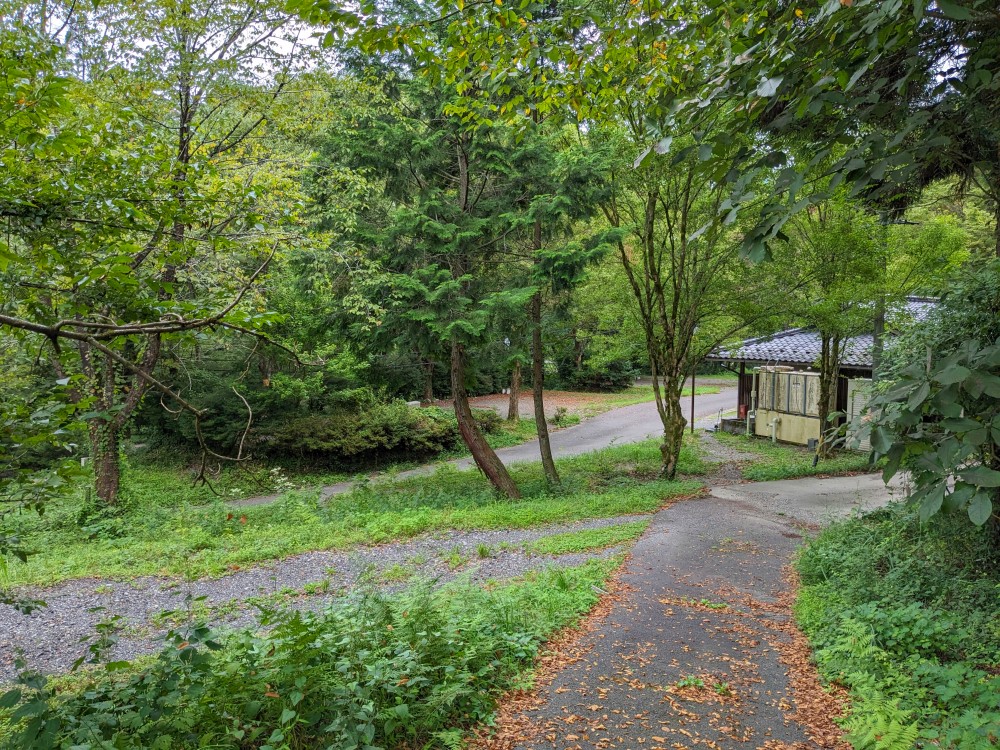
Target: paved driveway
{"points": [[700, 649]]}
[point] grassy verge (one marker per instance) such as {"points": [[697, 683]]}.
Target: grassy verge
{"points": [[587, 539], [167, 528], [907, 617], [782, 461], [417, 669]]}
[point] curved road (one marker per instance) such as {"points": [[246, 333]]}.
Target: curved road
{"points": [[627, 424]]}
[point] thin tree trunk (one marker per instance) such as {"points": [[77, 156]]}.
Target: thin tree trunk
{"points": [[878, 337], [514, 402], [484, 456], [673, 432], [428, 382], [829, 373], [107, 467], [538, 390]]}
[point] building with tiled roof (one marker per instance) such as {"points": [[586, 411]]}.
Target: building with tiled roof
{"points": [[800, 347], [778, 385]]}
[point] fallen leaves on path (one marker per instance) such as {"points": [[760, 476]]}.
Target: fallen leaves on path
{"points": [[513, 725], [758, 627]]}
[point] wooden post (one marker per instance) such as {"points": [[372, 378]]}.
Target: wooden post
{"points": [[692, 402]]}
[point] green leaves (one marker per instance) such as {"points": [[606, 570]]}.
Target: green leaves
{"points": [[954, 10], [981, 476], [980, 509], [939, 419], [952, 374], [769, 86]]}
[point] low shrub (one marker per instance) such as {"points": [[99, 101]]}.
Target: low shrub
{"points": [[417, 669], [907, 617], [350, 436], [613, 375], [489, 420]]}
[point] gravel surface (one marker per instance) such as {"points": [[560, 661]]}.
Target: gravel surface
{"points": [[52, 638], [728, 459]]}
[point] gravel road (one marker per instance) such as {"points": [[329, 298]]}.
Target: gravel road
{"points": [[52, 638]]}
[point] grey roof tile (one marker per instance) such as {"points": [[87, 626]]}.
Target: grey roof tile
{"points": [[802, 346]]}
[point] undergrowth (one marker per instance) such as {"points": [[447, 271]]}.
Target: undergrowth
{"points": [[782, 461], [411, 670], [162, 526], [907, 617]]}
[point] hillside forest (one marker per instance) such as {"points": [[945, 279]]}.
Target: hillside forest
{"points": [[249, 248]]}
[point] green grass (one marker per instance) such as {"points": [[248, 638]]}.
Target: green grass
{"points": [[512, 433], [163, 526], [421, 668], [782, 461], [907, 617], [396, 574], [587, 539]]}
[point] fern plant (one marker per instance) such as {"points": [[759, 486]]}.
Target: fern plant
{"points": [[882, 726]]}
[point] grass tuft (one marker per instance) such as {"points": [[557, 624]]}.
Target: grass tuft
{"points": [[586, 540]]}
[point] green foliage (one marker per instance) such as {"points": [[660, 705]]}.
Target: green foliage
{"points": [[781, 461], [587, 539], [165, 526], [939, 415], [904, 613], [690, 681], [862, 84], [415, 669], [381, 429]]}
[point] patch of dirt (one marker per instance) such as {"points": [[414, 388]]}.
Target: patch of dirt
{"points": [[574, 402]]}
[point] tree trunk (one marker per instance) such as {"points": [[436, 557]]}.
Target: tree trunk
{"points": [[538, 391], [107, 467], [428, 382], [829, 373], [674, 422], [878, 337], [484, 456], [514, 403]]}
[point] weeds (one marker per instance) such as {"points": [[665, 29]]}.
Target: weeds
{"points": [[396, 574], [166, 527], [690, 681], [782, 461], [415, 669], [907, 616]]}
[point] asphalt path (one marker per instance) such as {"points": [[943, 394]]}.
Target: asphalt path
{"points": [[700, 650], [627, 424]]}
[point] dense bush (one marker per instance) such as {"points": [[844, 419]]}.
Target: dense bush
{"points": [[347, 436], [414, 670], [489, 420], [907, 616], [611, 375]]}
